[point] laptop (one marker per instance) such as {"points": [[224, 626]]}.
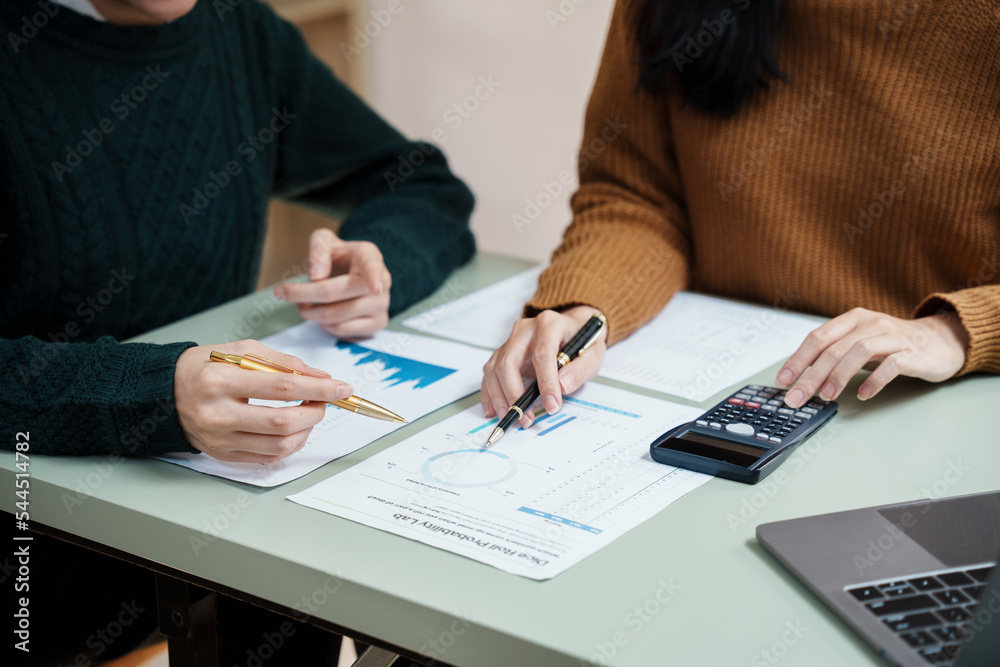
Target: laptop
{"points": [[917, 580]]}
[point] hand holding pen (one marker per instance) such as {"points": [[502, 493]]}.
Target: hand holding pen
{"points": [[585, 338], [530, 351], [212, 406]]}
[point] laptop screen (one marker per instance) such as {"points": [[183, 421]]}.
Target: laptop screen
{"points": [[952, 531]]}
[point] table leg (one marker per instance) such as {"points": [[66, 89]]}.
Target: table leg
{"points": [[187, 616], [376, 657]]}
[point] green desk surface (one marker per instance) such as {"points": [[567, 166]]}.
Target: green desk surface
{"points": [[691, 586]]}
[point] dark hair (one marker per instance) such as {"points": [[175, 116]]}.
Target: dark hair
{"points": [[722, 50]]}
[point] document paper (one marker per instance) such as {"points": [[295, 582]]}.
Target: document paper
{"points": [[537, 502], [409, 374], [696, 347], [485, 317], [700, 345]]}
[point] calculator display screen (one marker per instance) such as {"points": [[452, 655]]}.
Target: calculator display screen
{"points": [[715, 449]]}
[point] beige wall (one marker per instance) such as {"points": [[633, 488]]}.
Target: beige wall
{"points": [[532, 62]]}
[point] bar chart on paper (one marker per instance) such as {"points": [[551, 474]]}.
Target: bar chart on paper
{"points": [[538, 501], [401, 372]]}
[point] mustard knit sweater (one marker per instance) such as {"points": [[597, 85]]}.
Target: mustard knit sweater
{"points": [[871, 178]]}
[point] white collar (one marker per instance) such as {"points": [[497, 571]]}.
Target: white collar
{"points": [[85, 7]]}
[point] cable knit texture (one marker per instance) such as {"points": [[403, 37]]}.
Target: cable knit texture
{"points": [[136, 164], [871, 178]]}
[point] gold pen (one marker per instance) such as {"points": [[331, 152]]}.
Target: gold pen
{"points": [[355, 404]]}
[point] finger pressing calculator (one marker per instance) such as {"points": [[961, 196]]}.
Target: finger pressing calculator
{"points": [[743, 438]]}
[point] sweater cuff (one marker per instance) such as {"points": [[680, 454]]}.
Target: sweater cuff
{"points": [[978, 310], [595, 277], [147, 424]]}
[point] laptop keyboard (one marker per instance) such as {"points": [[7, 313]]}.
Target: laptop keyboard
{"points": [[929, 612]]}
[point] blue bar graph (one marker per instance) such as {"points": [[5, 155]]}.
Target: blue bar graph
{"points": [[402, 369], [540, 419], [555, 426], [480, 428]]}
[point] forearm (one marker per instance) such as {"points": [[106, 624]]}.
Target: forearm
{"points": [[617, 256], [422, 232], [90, 398]]}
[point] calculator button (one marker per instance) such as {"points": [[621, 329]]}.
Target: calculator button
{"points": [[763, 436], [803, 415], [769, 408], [774, 401], [755, 387], [785, 411], [715, 425], [774, 439], [740, 429], [812, 411], [753, 404], [736, 401], [701, 422], [815, 405], [743, 396]]}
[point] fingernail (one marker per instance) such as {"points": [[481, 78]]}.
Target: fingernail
{"points": [[488, 413], [320, 371], [550, 403], [794, 398], [784, 377], [343, 391], [865, 392], [378, 289], [280, 293], [568, 384], [827, 392]]}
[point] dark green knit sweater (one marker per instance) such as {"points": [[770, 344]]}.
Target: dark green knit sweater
{"points": [[136, 164]]}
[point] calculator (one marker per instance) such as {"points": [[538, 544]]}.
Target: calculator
{"points": [[743, 438]]}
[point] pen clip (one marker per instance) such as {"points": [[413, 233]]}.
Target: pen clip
{"points": [[597, 334], [271, 363]]}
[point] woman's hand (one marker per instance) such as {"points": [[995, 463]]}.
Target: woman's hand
{"points": [[931, 348], [531, 351], [217, 419], [348, 292]]}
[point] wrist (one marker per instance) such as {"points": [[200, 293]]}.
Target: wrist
{"points": [[953, 329], [580, 313]]}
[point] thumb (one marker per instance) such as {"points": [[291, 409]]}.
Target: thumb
{"points": [[322, 243]]}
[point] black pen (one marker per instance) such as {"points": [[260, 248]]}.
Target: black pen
{"points": [[576, 346]]}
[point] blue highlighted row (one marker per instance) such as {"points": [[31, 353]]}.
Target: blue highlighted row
{"points": [[601, 407], [559, 519]]}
